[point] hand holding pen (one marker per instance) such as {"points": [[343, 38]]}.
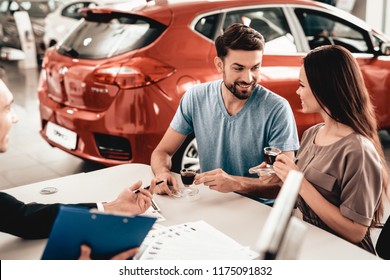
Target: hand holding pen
{"points": [[132, 200], [154, 204]]}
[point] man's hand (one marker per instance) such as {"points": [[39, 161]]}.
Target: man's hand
{"points": [[125, 255], [131, 203], [218, 180], [170, 185]]}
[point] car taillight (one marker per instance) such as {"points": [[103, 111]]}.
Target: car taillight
{"points": [[135, 73]]}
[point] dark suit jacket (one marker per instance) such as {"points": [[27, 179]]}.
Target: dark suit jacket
{"points": [[29, 221]]}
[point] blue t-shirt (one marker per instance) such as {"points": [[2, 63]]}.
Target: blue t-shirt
{"points": [[235, 143]]}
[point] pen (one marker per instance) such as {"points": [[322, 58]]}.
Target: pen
{"points": [[148, 187], [154, 205]]}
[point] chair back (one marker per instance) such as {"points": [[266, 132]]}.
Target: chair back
{"points": [[383, 244]]}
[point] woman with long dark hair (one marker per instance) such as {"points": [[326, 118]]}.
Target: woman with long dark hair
{"points": [[342, 159]]}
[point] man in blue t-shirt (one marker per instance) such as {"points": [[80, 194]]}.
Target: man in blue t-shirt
{"points": [[233, 119]]}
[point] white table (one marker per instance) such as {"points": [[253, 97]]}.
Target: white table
{"points": [[238, 217]]}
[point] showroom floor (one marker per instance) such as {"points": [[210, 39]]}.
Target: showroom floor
{"points": [[29, 158]]}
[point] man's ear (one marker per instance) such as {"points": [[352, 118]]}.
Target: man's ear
{"points": [[218, 64]]}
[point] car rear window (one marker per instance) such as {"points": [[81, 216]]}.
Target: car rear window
{"points": [[105, 35]]}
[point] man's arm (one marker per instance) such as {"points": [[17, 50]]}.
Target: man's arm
{"points": [[161, 160], [29, 221], [266, 186], [219, 180], [35, 220]]}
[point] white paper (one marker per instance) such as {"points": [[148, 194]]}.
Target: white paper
{"points": [[150, 212], [192, 241]]}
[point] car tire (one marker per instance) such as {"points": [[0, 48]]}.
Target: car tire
{"points": [[187, 155]]}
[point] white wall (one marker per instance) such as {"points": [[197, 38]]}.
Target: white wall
{"points": [[387, 17], [374, 12]]}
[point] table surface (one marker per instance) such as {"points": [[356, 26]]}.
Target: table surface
{"points": [[239, 217]]}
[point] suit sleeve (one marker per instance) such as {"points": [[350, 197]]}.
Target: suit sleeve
{"points": [[29, 221]]}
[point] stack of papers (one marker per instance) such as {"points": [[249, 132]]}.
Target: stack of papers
{"points": [[192, 241], [150, 212]]}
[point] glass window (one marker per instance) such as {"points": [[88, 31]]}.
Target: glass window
{"points": [[271, 23], [36, 9], [4, 7], [107, 35], [323, 29], [14, 7], [207, 26], [72, 11]]}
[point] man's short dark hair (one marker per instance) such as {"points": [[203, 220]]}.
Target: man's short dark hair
{"points": [[239, 37]]}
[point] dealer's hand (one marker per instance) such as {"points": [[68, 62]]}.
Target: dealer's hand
{"points": [[125, 255]]}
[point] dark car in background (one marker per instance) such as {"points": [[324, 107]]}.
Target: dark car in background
{"points": [[37, 11], [110, 90]]}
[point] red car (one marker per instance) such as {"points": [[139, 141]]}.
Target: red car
{"points": [[110, 90]]}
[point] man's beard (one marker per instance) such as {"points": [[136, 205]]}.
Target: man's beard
{"points": [[239, 93]]}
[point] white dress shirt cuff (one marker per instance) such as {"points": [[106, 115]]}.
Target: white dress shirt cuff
{"points": [[100, 206]]}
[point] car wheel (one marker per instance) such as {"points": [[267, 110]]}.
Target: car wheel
{"points": [[187, 155]]}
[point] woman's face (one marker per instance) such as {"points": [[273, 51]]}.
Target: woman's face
{"points": [[308, 101]]}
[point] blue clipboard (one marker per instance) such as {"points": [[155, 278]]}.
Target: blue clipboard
{"points": [[106, 234]]}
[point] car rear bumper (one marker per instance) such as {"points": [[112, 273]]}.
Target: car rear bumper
{"points": [[121, 134]]}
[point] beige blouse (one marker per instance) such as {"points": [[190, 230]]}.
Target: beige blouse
{"points": [[347, 173]]}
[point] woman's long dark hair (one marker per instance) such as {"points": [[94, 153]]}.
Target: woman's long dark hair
{"points": [[337, 83]]}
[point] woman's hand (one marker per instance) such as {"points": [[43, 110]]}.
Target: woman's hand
{"points": [[283, 165], [269, 178]]}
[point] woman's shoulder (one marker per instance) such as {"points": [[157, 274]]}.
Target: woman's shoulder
{"points": [[358, 145]]}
